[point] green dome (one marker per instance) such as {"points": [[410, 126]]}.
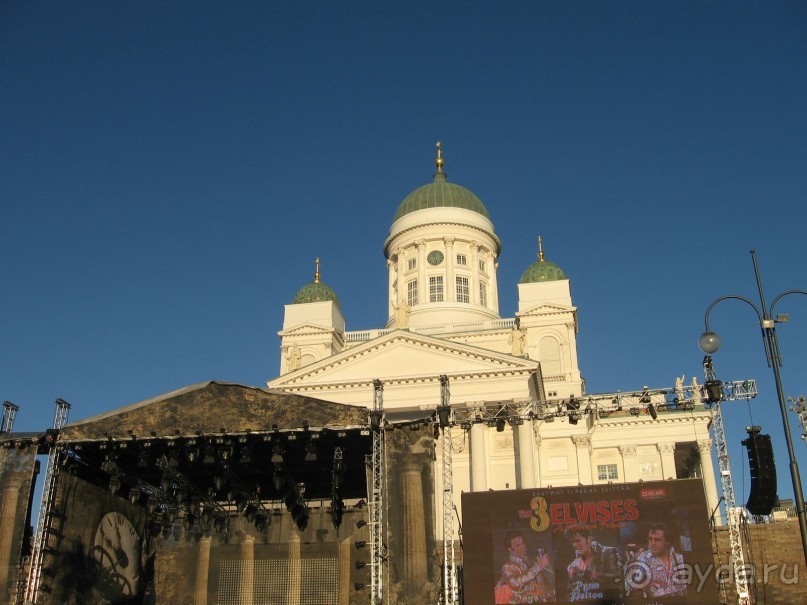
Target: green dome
{"points": [[440, 193], [316, 291], [543, 270]]}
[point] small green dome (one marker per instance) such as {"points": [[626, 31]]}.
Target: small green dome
{"points": [[316, 291], [543, 270], [440, 193]]}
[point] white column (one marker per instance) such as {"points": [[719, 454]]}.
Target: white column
{"points": [[474, 246], [630, 463], [423, 283], [709, 482], [493, 266], [526, 453], [8, 515], [479, 473], [401, 290], [392, 301], [583, 445], [667, 453], [414, 529], [451, 287]]}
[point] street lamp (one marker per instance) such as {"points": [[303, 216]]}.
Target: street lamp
{"points": [[710, 342]]}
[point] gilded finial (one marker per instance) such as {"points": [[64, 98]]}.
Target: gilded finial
{"points": [[316, 274], [540, 250], [439, 161]]}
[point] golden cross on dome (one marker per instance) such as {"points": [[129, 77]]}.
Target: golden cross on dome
{"points": [[316, 274], [439, 161], [540, 250]]}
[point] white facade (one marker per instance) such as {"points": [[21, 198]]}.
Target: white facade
{"points": [[443, 318]]}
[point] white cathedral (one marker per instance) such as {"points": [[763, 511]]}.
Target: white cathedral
{"points": [[441, 256]]}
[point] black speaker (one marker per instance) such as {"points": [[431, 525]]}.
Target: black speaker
{"points": [[762, 468]]}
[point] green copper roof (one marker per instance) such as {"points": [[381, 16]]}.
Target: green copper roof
{"points": [[316, 291], [543, 270], [440, 193]]}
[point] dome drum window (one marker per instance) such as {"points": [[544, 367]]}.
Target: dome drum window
{"points": [[463, 291], [436, 288], [462, 259]]}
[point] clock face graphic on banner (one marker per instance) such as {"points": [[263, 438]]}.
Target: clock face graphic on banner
{"points": [[435, 257], [115, 558]]}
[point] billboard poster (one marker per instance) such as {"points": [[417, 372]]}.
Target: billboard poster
{"points": [[637, 543]]}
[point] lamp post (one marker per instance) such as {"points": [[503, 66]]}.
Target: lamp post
{"points": [[710, 342]]}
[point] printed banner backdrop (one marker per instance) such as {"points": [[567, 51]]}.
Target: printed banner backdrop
{"points": [[98, 550], [644, 543], [16, 476]]}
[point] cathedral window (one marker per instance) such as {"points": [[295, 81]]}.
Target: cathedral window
{"points": [[413, 262], [462, 259], [607, 472], [463, 292], [436, 288], [412, 292], [483, 294]]}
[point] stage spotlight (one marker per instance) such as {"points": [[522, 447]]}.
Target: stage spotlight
{"points": [[187, 521], [572, 404], [246, 455], [652, 411], [262, 521], [603, 413], [252, 513], [180, 495], [361, 503], [310, 452], [500, 423], [444, 415], [114, 485], [210, 455], [218, 482], [151, 505], [278, 453], [360, 564], [166, 484], [714, 391], [376, 419], [207, 515], [360, 523], [220, 523], [635, 411], [279, 478], [134, 495], [171, 514], [573, 418], [361, 543], [337, 510], [549, 418], [194, 506], [358, 585]]}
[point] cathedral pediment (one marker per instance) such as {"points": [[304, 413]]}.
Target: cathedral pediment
{"points": [[305, 330], [404, 356], [547, 309]]}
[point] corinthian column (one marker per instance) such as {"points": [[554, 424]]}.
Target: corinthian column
{"points": [[526, 456], [630, 463], [247, 575], [709, 483], [295, 566], [583, 445], [451, 287], [202, 569], [414, 529], [667, 453], [479, 474], [8, 517]]}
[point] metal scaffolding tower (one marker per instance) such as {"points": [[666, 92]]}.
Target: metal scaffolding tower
{"points": [[9, 412], [450, 592], [46, 503], [376, 499], [716, 392]]}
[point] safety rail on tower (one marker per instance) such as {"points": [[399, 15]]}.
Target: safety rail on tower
{"points": [[378, 553], [46, 503]]}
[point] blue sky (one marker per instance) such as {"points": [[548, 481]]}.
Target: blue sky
{"points": [[169, 172]]}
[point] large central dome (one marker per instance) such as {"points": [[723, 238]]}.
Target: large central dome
{"points": [[440, 193]]}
